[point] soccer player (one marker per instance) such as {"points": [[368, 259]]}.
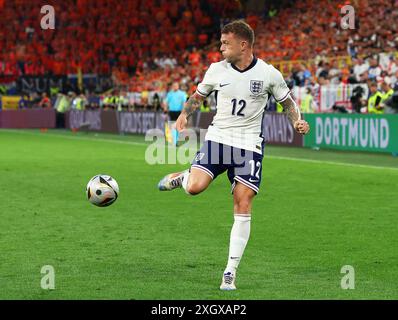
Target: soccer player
{"points": [[234, 142]]}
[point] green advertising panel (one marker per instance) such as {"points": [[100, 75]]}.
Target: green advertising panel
{"points": [[378, 133]]}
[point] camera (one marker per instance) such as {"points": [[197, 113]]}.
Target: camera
{"points": [[392, 103], [356, 99]]}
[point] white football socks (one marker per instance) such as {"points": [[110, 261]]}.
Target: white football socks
{"points": [[185, 180], [239, 236]]}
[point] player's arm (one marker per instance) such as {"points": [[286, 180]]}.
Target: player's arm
{"points": [[293, 113], [194, 102], [378, 104], [281, 93]]}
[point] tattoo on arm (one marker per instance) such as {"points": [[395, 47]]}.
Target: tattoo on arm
{"points": [[291, 109], [193, 103]]}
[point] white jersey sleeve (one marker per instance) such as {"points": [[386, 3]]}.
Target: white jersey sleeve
{"points": [[278, 87], [208, 83]]}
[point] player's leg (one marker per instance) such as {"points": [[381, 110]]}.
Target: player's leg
{"points": [[172, 181], [196, 181], [206, 166], [243, 197], [245, 181], [193, 180], [202, 172]]}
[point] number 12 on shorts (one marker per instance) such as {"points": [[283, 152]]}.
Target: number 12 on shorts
{"points": [[253, 166]]}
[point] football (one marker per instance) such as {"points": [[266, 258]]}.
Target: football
{"points": [[102, 190]]}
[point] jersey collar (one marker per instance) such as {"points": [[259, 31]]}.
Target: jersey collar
{"points": [[252, 64]]}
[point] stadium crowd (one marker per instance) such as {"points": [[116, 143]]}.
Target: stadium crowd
{"points": [[99, 36], [159, 42]]}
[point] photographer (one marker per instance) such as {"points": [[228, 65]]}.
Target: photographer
{"points": [[357, 100], [374, 102], [391, 104], [387, 90]]}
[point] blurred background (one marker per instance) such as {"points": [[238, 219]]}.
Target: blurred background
{"points": [[125, 55]]}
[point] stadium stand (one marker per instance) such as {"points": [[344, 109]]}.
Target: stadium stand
{"points": [[147, 44]]}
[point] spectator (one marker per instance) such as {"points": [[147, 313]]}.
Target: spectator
{"points": [[307, 103], [155, 48], [335, 73], [324, 72], [194, 57], [24, 102], [374, 70], [45, 101], [394, 79], [358, 70], [391, 104], [387, 90]]}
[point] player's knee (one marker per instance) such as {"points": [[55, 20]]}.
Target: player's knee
{"points": [[194, 187], [242, 205]]}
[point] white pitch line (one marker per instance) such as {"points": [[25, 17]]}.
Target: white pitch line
{"points": [[73, 137], [345, 164]]}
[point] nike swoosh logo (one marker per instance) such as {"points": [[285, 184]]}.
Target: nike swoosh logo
{"points": [[250, 180], [223, 85]]}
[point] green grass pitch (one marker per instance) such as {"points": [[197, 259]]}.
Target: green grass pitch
{"points": [[316, 212]]}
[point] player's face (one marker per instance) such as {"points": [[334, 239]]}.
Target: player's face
{"points": [[231, 47]]}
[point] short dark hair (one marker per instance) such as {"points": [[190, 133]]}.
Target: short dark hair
{"points": [[241, 29]]}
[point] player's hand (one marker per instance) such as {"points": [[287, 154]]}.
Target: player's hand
{"points": [[302, 126], [181, 122]]}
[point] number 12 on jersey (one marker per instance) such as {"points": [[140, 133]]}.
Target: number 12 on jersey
{"points": [[242, 104]]}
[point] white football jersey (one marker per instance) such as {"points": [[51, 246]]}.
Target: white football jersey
{"points": [[241, 98]]}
